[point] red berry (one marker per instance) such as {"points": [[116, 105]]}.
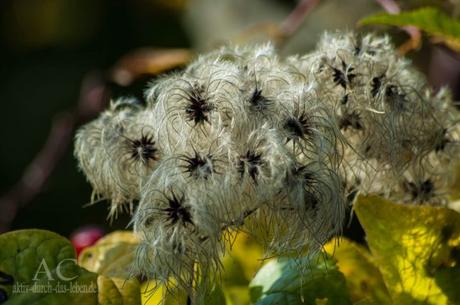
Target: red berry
{"points": [[85, 237]]}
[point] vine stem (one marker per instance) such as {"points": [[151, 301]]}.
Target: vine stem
{"points": [[295, 19], [240, 220], [94, 96], [280, 33]]}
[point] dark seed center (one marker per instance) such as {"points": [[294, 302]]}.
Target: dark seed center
{"points": [[177, 211], [143, 149], [250, 162], [257, 101]]}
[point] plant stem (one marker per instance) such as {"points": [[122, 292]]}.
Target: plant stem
{"points": [[295, 19]]}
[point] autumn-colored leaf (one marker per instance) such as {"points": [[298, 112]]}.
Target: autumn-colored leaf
{"points": [[416, 249], [362, 275], [112, 255]]}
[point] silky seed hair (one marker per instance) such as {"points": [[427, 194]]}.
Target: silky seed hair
{"points": [[244, 140], [390, 118], [117, 152]]}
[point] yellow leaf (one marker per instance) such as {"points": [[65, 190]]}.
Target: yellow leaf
{"points": [[242, 260], [112, 255], [416, 248], [237, 295]]}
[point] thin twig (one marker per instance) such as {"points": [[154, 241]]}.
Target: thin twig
{"points": [[239, 221], [295, 19], [280, 33], [390, 6], [93, 97]]}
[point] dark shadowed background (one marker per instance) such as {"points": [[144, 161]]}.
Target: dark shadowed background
{"points": [[56, 56]]}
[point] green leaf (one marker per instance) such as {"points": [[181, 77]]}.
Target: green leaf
{"points": [[429, 19], [44, 269], [417, 249], [299, 281], [364, 280]]}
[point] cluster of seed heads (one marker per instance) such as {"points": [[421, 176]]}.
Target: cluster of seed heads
{"points": [[244, 140]]}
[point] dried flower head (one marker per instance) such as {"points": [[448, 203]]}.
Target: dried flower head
{"points": [[244, 139]]}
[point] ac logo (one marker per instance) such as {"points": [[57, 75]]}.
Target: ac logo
{"points": [[44, 269]]}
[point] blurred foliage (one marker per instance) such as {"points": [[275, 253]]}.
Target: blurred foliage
{"points": [[210, 23], [46, 18], [433, 21]]}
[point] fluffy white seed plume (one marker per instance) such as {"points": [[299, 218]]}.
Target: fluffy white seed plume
{"points": [[117, 152], [403, 138], [243, 139]]}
